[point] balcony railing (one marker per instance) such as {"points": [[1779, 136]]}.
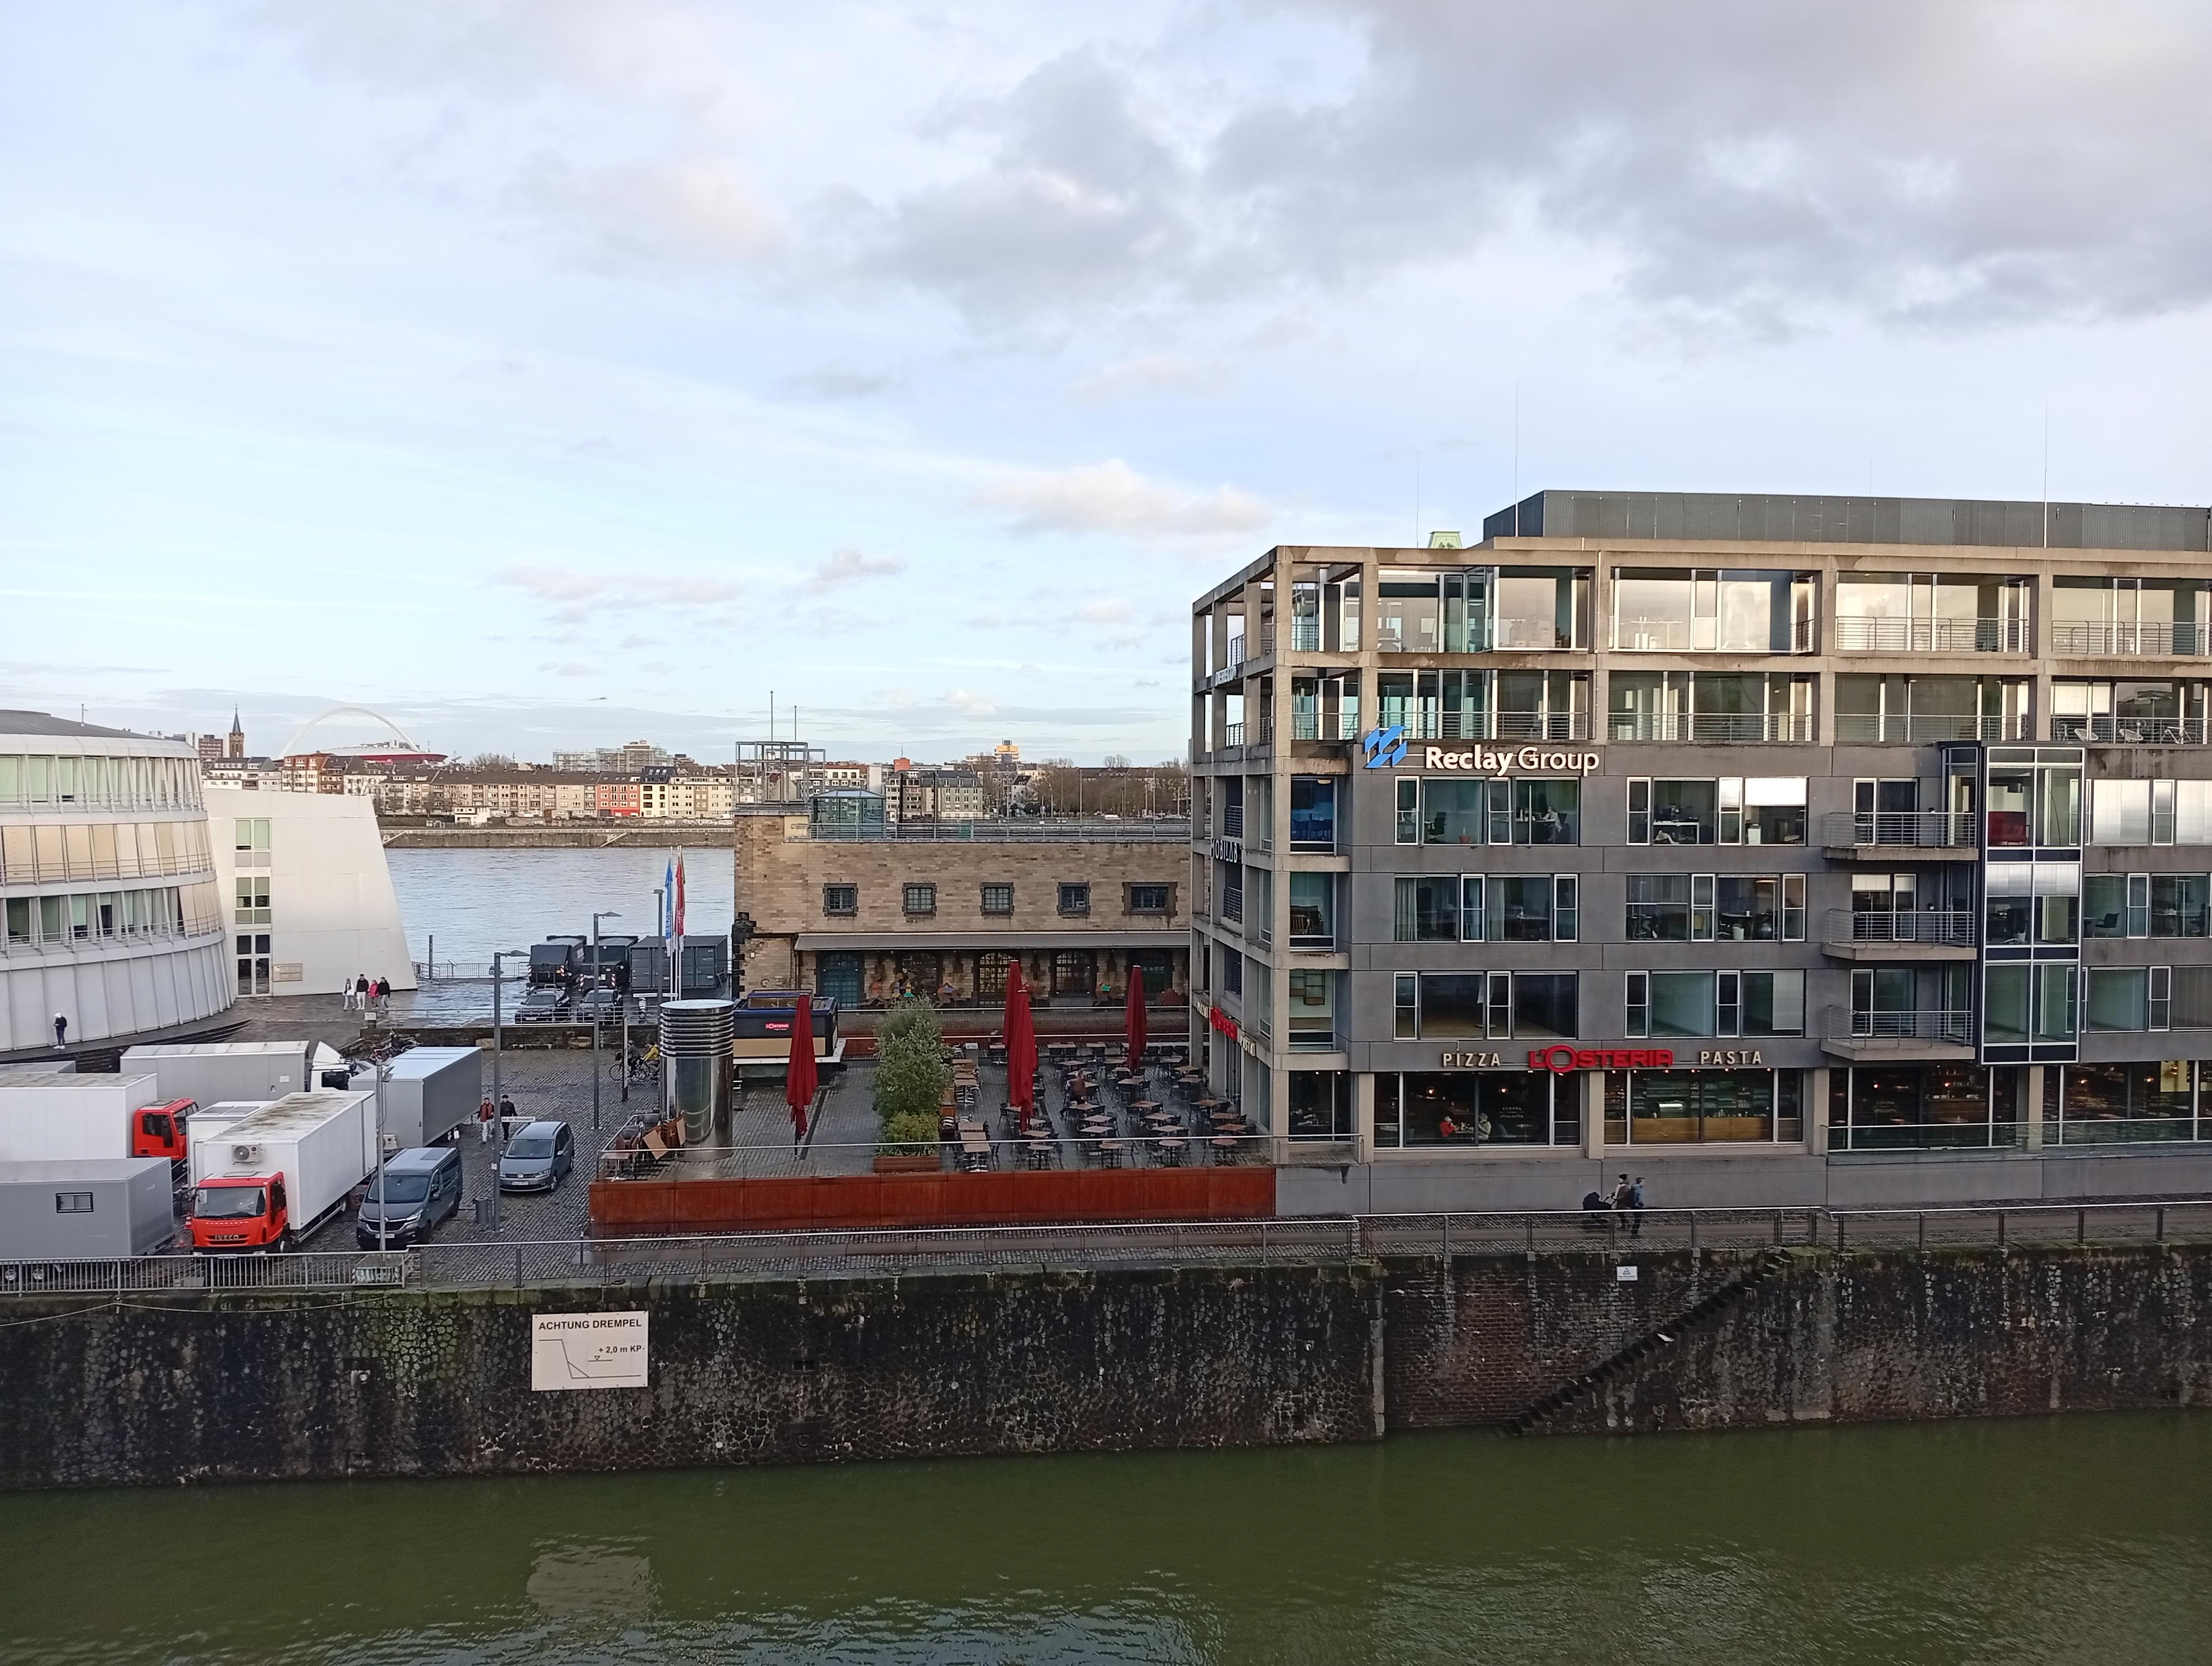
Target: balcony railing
{"points": [[1677, 635], [1956, 1027], [2131, 640], [1491, 726], [1950, 929], [1313, 1036], [1325, 726], [1906, 828], [1859, 727], [1932, 635], [1698, 728], [2131, 731], [1305, 635], [32, 870], [1232, 906], [1233, 735]]}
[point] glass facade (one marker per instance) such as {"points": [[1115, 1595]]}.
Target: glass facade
{"points": [[1465, 1110]]}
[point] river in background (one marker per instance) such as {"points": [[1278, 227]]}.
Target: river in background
{"points": [[475, 901], [2083, 1539]]}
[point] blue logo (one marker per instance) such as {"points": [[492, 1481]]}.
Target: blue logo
{"points": [[1384, 747]]}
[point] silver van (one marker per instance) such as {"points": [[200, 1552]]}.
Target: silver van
{"points": [[414, 1190], [536, 1159]]}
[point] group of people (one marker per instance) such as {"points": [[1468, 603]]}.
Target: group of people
{"points": [[504, 1111], [1626, 1198], [364, 993]]}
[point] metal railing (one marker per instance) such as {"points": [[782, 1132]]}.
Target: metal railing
{"points": [[1722, 727], [1876, 728], [1490, 725], [1117, 1146], [1677, 635], [1932, 635], [2130, 731], [33, 870], [1947, 1024], [1232, 734], [2180, 641], [1950, 929], [1325, 1240], [1013, 829], [1325, 726], [1928, 829]]}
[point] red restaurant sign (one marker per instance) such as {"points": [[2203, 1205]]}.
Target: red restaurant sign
{"points": [[1560, 1060], [1221, 1021]]}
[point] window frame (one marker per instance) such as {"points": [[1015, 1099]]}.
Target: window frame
{"points": [[1131, 905], [985, 894], [918, 898], [1072, 899], [830, 909]]}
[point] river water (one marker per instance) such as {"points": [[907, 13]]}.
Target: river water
{"points": [[475, 901], [2079, 1541]]}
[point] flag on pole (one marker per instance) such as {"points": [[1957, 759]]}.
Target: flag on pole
{"points": [[667, 927], [676, 916]]}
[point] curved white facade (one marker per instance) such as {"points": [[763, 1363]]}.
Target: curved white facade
{"points": [[109, 911], [309, 890]]}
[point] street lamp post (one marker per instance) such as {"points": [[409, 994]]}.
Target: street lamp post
{"points": [[378, 1190], [499, 1149], [609, 914]]}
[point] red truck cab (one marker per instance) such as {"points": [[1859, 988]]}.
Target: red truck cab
{"points": [[240, 1212], [159, 1130]]}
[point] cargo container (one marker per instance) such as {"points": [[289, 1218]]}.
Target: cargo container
{"points": [[648, 968], [89, 1209], [706, 964], [558, 960], [271, 1178], [209, 1072], [431, 1091], [49, 1116]]}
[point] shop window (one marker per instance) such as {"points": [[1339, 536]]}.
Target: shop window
{"points": [[1075, 973], [991, 974], [1321, 1105], [1685, 1107]]}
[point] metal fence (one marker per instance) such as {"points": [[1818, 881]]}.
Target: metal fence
{"points": [[1084, 1145], [1332, 1240]]}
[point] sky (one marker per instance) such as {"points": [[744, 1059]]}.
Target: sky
{"points": [[555, 372]]}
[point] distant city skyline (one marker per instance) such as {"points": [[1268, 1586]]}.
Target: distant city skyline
{"points": [[551, 375]]}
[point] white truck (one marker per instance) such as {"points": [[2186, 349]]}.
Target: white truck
{"points": [[431, 1091], [209, 1072], [269, 1178], [107, 1208], [48, 1116]]}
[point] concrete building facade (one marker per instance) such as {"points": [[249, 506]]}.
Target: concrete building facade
{"points": [[305, 892], [1741, 838]]}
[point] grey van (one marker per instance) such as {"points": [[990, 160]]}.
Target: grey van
{"points": [[414, 1190], [537, 1158]]}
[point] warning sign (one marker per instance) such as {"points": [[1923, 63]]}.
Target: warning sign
{"points": [[588, 1351]]}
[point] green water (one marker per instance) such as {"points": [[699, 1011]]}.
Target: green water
{"points": [[2078, 1540]]}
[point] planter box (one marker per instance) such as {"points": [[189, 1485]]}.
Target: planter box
{"points": [[915, 1163]]}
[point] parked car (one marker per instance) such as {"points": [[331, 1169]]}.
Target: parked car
{"points": [[607, 1004], [537, 1158], [414, 1190], [543, 1004]]}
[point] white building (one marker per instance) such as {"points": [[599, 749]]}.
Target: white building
{"points": [[108, 886], [307, 890]]}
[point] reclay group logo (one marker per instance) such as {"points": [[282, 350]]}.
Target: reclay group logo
{"points": [[1384, 747]]}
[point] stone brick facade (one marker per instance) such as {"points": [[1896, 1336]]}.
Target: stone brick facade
{"points": [[928, 912]]}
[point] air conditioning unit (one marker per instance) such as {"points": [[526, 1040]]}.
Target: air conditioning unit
{"points": [[245, 1153]]}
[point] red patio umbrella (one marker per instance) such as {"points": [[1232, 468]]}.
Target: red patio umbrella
{"points": [[1135, 1025], [798, 1075], [1021, 1043]]}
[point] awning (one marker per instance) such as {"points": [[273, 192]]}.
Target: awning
{"points": [[1006, 942]]}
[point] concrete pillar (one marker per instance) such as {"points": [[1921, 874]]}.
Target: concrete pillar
{"points": [[1818, 1086], [2033, 1109], [1362, 1114], [1593, 1093]]}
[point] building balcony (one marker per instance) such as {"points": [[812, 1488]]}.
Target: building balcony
{"points": [[1900, 934], [1858, 728], [1232, 734], [2130, 731], [1931, 637], [1871, 1037], [1324, 725], [1489, 726], [1865, 835], [1704, 728], [2133, 641]]}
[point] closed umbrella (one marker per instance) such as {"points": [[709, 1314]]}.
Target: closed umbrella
{"points": [[1021, 1043], [1135, 1024], [798, 1074]]}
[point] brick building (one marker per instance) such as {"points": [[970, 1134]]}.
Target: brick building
{"points": [[861, 914]]}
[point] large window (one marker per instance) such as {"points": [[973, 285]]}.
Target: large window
{"points": [[2130, 616], [1705, 609], [1707, 907], [1312, 813], [1313, 910], [2159, 713], [2131, 998], [1732, 809], [1932, 613], [2146, 905], [1311, 1019], [1920, 709], [2031, 902], [1716, 1003], [1710, 707], [1691, 1107], [2151, 812], [2025, 1003], [1474, 908], [1485, 1006], [1923, 1107], [2118, 1103], [253, 901], [1464, 1109], [1454, 810]]}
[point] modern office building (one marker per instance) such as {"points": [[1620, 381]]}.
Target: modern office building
{"points": [[305, 892], [107, 886], [1832, 848]]}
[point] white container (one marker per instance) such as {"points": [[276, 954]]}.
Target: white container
{"points": [[432, 1091], [94, 1209], [322, 1143], [208, 1121], [208, 1072], [49, 1116]]}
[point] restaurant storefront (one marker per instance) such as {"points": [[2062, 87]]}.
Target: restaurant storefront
{"points": [[2157, 1100], [1649, 1099], [1704, 1107], [1924, 1107], [1462, 1110]]}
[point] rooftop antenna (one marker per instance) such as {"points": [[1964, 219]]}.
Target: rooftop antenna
{"points": [[2046, 473], [1516, 459], [1417, 497], [771, 715]]}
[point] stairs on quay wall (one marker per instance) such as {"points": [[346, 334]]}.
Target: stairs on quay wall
{"points": [[1706, 1310]]}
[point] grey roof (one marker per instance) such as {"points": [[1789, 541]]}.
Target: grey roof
{"points": [[1759, 518], [15, 722]]}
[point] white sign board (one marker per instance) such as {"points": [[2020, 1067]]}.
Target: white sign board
{"points": [[1622, 1275], [588, 1351]]}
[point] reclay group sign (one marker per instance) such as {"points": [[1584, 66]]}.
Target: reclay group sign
{"points": [[588, 1351]]}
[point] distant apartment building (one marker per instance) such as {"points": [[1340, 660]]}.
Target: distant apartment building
{"points": [[625, 760], [927, 794], [313, 772]]}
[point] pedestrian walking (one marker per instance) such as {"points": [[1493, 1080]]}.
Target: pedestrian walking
{"points": [[484, 1114], [1620, 1195], [1636, 1208], [507, 1113], [61, 1030]]}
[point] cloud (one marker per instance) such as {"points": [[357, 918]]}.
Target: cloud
{"points": [[1112, 497], [843, 567], [697, 211], [1155, 373], [834, 382], [578, 597]]}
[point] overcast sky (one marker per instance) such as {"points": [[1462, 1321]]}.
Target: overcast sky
{"points": [[552, 372]]}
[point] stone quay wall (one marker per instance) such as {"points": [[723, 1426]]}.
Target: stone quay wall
{"points": [[308, 1384]]}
